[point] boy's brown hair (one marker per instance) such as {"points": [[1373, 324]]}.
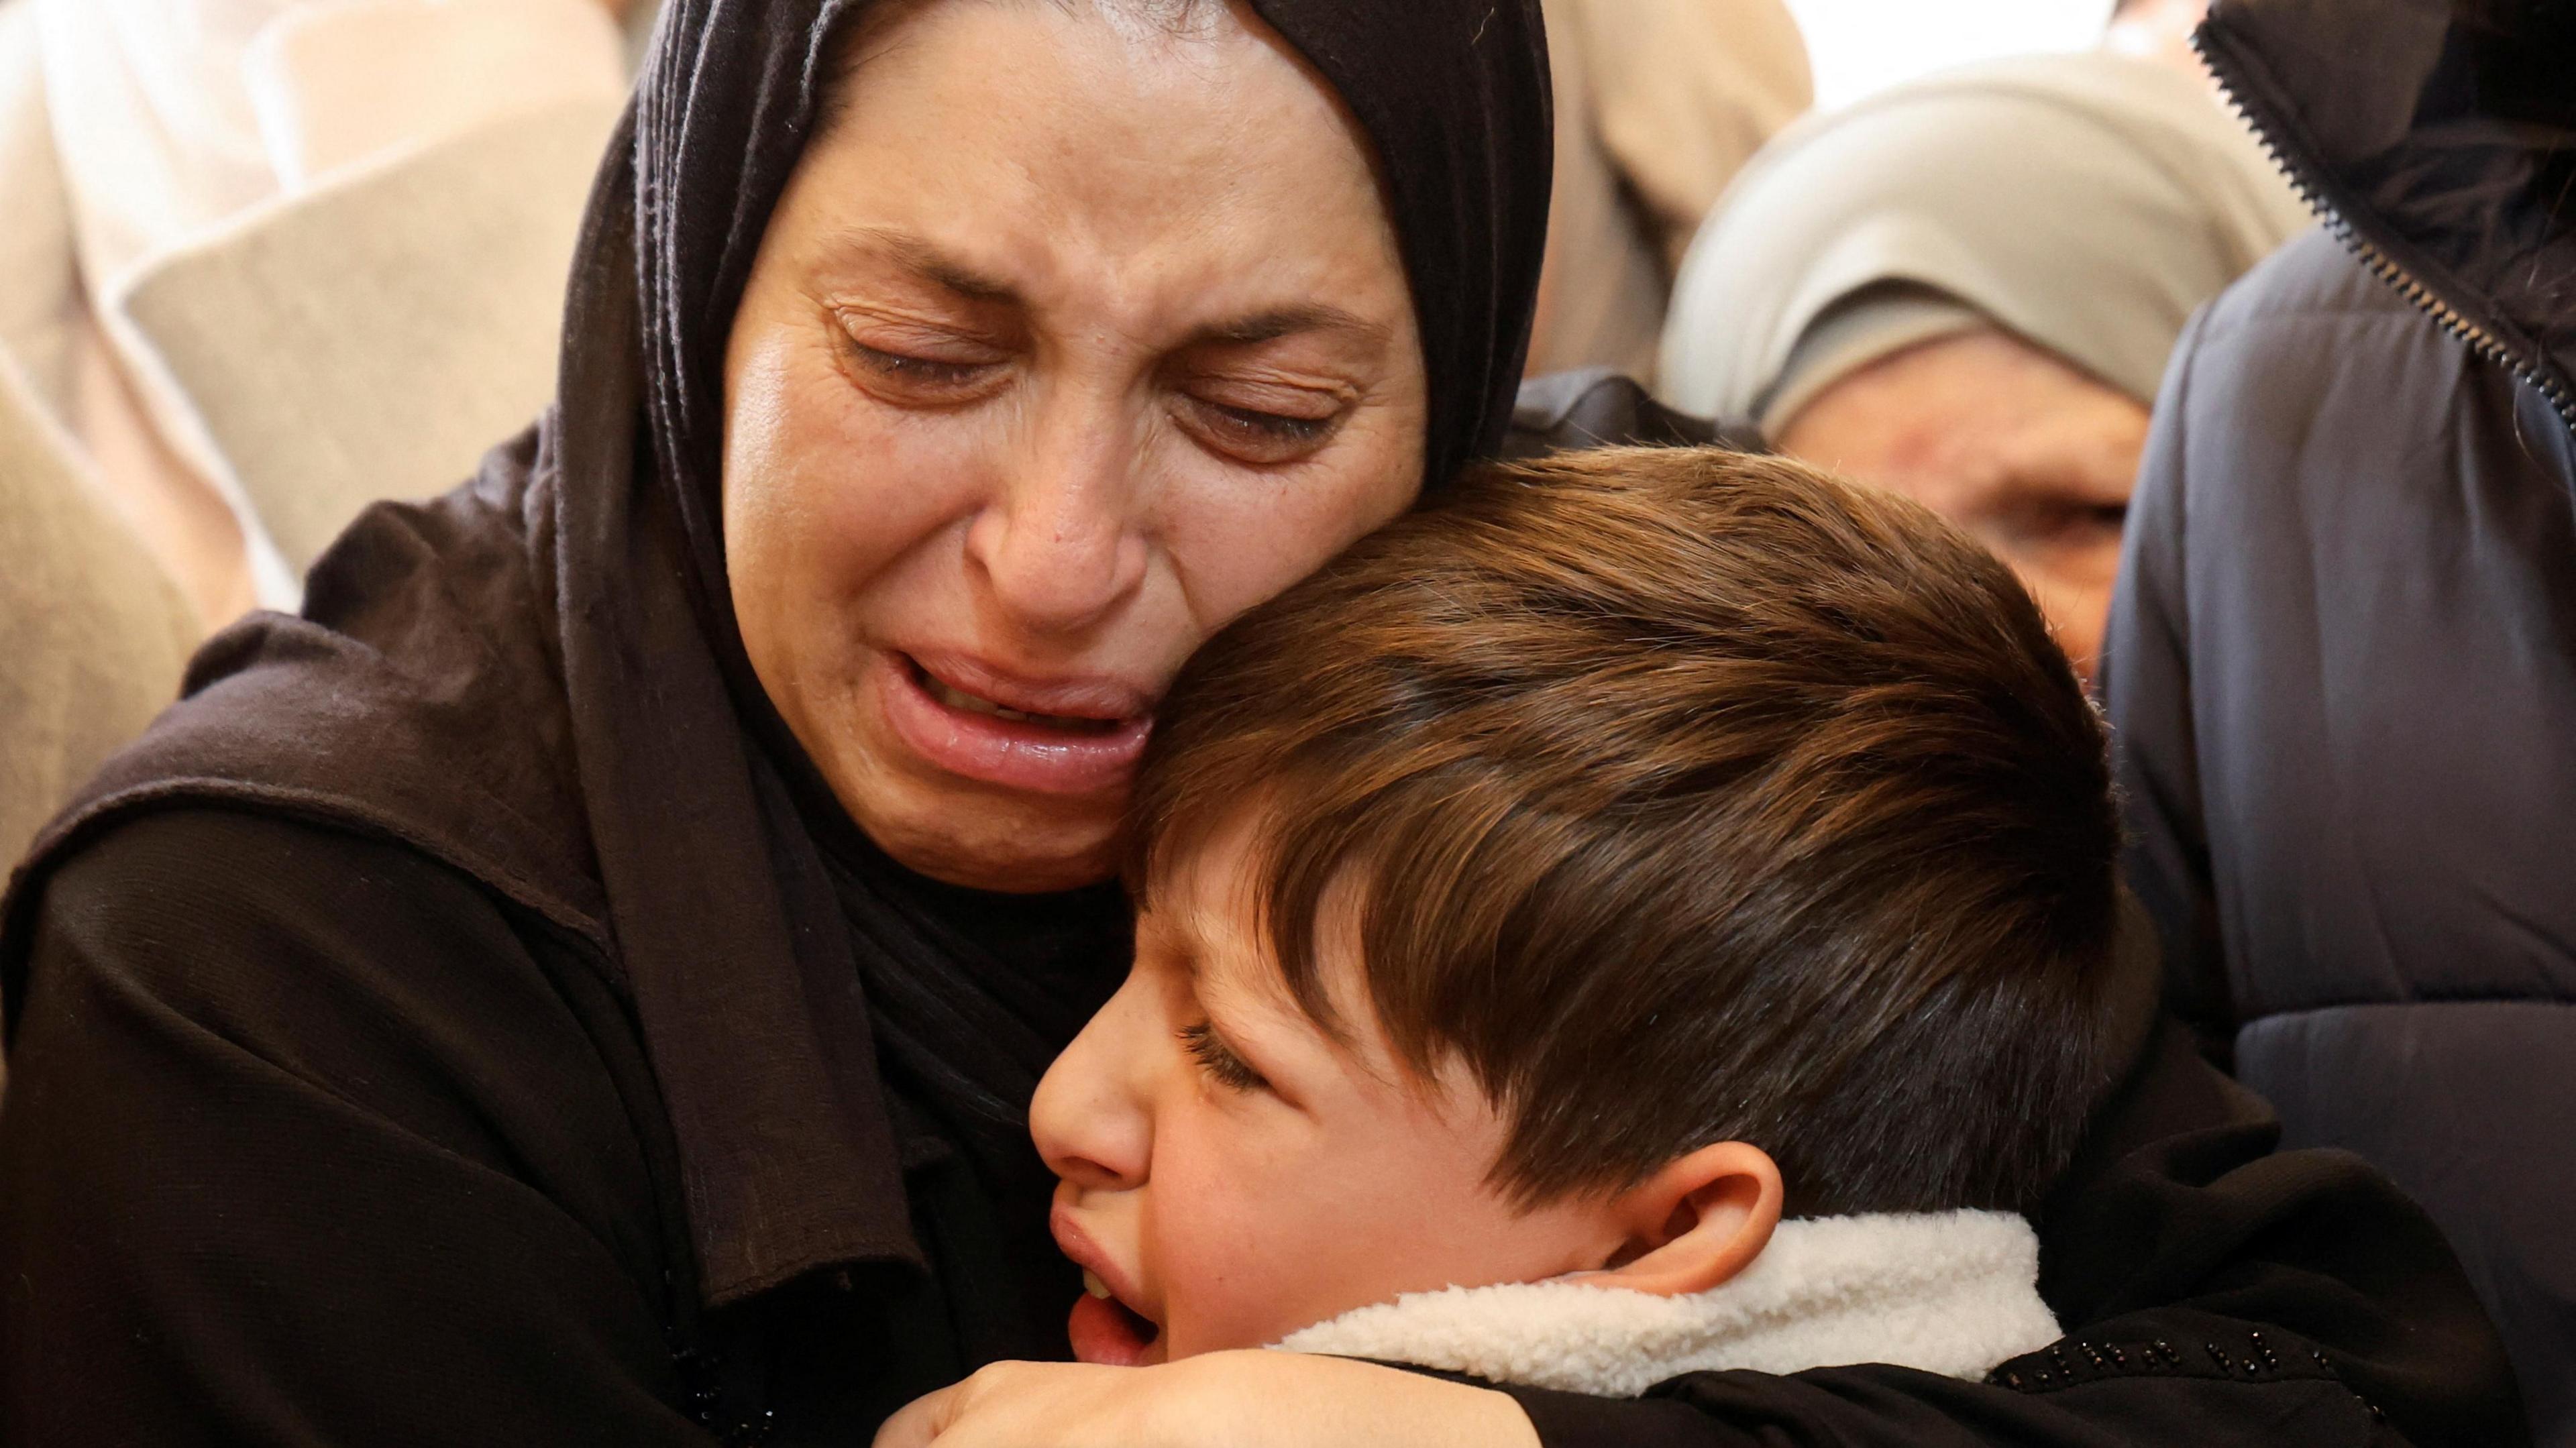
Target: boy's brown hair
{"points": [[1690, 796]]}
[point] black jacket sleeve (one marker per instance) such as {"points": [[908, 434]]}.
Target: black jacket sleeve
{"points": [[303, 1145]]}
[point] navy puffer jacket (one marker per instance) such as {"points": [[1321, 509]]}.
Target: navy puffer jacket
{"points": [[2342, 666]]}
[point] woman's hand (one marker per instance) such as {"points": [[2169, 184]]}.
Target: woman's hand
{"points": [[1220, 1400]]}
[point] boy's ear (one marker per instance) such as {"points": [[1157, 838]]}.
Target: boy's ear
{"points": [[1696, 1223]]}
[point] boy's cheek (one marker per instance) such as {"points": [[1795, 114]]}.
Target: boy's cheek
{"points": [[1254, 1299], [1222, 1242], [1226, 1314], [1239, 1272]]}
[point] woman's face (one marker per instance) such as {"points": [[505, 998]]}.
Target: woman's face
{"points": [[1073, 337], [2032, 457]]}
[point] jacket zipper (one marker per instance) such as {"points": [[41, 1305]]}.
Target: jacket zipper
{"points": [[2307, 179]]}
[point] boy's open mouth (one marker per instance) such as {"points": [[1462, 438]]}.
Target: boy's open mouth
{"points": [[1107, 1331]]}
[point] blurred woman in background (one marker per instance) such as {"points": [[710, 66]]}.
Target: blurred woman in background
{"points": [[1965, 288]]}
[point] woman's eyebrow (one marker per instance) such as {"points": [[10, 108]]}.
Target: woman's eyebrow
{"points": [[1278, 322], [954, 274], [926, 260]]}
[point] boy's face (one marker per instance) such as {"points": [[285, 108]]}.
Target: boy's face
{"points": [[1230, 1174]]}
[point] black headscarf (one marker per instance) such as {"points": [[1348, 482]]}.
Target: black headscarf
{"points": [[539, 681], [1453, 94]]}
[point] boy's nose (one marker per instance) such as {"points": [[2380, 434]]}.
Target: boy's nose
{"points": [[1089, 1122]]}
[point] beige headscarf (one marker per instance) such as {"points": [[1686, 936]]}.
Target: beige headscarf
{"points": [[2084, 202]]}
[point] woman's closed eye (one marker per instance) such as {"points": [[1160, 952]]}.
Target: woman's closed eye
{"points": [[1260, 437], [1264, 424], [929, 371], [1218, 1060], [918, 368]]}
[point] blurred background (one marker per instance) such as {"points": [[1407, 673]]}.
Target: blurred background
{"points": [[1858, 46], [267, 262]]}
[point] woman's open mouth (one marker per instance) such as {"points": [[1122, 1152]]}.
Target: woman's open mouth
{"points": [[956, 698], [1107, 1331], [1067, 737]]}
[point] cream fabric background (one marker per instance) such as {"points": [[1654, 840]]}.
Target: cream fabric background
{"points": [[93, 633], [1658, 104], [362, 324]]}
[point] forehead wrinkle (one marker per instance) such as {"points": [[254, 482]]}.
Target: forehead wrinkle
{"points": [[1925, 455], [1092, 235], [1164, 269], [1165, 294]]}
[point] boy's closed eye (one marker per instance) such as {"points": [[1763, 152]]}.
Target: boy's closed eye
{"points": [[1218, 1061]]}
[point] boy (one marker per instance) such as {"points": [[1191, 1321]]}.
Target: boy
{"points": [[1624, 853]]}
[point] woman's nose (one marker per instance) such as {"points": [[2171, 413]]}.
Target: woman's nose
{"points": [[1090, 1122], [1061, 545]]}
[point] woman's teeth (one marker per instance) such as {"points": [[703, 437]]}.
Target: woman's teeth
{"points": [[960, 699], [1092, 1284]]}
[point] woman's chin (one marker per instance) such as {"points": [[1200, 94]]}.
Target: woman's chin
{"points": [[956, 828], [963, 838]]}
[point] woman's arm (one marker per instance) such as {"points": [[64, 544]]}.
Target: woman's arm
{"points": [[1220, 1400], [303, 1146]]}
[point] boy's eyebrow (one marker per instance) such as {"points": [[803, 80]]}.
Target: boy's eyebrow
{"points": [[1177, 939], [1185, 943]]}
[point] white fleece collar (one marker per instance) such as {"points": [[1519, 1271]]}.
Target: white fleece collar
{"points": [[1947, 1292]]}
